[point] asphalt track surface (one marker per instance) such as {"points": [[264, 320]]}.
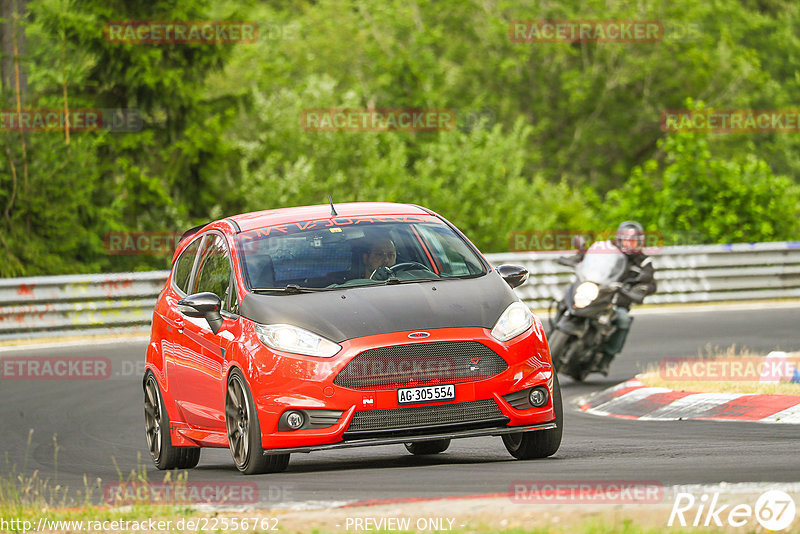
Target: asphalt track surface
{"points": [[98, 426]]}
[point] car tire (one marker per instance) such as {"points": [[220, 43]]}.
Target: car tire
{"points": [[244, 432], [434, 446], [538, 443], [156, 424]]}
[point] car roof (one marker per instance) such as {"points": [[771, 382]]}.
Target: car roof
{"points": [[261, 219]]}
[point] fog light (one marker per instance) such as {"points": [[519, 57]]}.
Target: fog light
{"points": [[538, 397], [295, 420]]}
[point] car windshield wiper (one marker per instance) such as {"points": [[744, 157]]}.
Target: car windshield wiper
{"points": [[291, 289], [392, 280]]}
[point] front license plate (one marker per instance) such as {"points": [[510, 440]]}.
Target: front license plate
{"points": [[426, 394]]}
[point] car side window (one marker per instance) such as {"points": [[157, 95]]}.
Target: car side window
{"points": [[214, 271], [184, 264]]}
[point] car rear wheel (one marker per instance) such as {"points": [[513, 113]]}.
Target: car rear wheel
{"points": [[244, 432], [156, 425], [539, 443], [434, 446]]}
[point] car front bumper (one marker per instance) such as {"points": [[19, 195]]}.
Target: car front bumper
{"points": [[498, 431], [374, 417]]}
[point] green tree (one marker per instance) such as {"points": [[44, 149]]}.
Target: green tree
{"points": [[61, 198], [696, 196]]}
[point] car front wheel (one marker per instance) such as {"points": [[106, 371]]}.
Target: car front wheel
{"points": [[538, 443], [244, 432]]}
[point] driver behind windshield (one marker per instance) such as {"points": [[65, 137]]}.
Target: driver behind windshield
{"points": [[381, 253]]}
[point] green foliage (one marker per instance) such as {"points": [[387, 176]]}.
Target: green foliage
{"points": [[572, 141], [696, 197], [109, 181], [474, 178], [593, 108], [55, 223]]}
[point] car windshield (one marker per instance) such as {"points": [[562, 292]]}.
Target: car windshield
{"points": [[349, 252], [603, 263]]}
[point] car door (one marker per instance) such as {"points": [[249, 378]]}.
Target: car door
{"points": [[168, 321], [200, 381]]}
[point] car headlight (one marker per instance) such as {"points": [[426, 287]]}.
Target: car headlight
{"points": [[585, 294], [515, 320], [290, 338]]}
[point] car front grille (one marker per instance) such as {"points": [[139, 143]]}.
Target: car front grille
{"points": [[419, 419], [421, 364]]}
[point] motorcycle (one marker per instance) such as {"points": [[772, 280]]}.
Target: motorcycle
{"points": [[586, 316]]}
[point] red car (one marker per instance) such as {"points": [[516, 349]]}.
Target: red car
{"points": [[322, 327]]}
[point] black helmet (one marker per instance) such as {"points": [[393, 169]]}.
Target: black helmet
{"points": [[630, 237]]}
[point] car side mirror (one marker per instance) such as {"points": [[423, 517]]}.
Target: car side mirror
{"points": [[579, 242], [207, 305], [514, 275]]}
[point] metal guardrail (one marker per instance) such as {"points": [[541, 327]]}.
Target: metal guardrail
{"points": [[78, 304], [123, 302], [701, 273]]}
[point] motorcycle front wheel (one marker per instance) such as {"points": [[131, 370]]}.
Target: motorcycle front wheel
{"points": [[557, 342], [564, 355]]}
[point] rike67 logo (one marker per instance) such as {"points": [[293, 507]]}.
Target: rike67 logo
{"points": [[774, 510]]}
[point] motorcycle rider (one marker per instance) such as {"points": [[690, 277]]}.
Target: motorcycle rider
{"points": [[633, 286]]}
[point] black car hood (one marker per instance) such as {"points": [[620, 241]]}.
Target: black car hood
{"points": [[363, 311]]}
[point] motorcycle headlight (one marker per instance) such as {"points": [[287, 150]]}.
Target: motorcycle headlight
{"points": [[515, 320], [585, 294], [290, 338]]}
